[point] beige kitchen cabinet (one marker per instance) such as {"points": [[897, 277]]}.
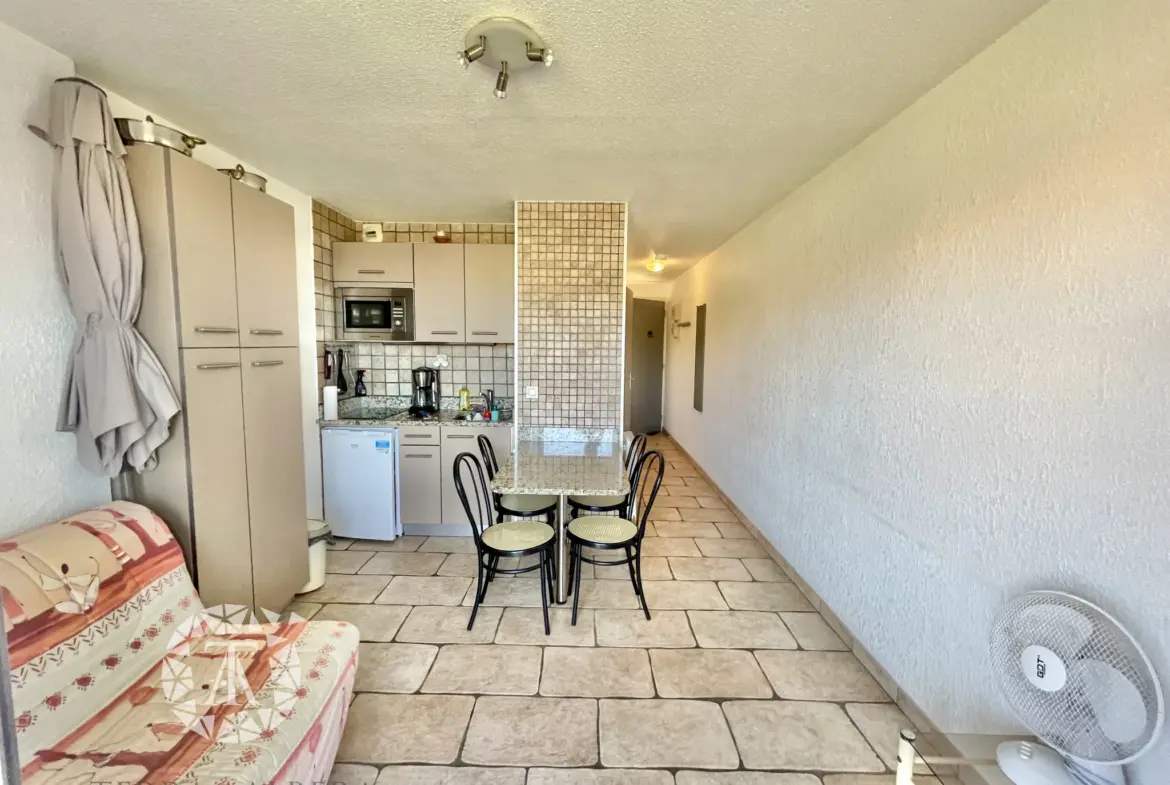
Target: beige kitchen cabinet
{"points": [[276, 474], [373, 264], [420, 489], [218, 264], [438, 293], [457, 439], [204, 246], [215, 426], [266, 268], [490, 275]]}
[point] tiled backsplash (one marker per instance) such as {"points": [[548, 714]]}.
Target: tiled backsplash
{"points": [[388, 367], [570, 298], [461, 233]]}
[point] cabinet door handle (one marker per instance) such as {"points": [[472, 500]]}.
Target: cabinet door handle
{"points": [[216, 366], [417, 455], [444, 332], [216, 330], [460, 436], [266, 332], [372, 272], [484, 332], [264, 363], [418, 436]]}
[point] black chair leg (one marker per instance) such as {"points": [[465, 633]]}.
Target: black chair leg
{"points": [[495, 565], [544, 590], [575, 559], [479, 587], [641, 592], [633, 577]]}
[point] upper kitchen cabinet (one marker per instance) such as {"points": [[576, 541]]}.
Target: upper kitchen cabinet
{"points": [[490, 294], [266, 268], [438, 293], [373, 264], [203, 241]]}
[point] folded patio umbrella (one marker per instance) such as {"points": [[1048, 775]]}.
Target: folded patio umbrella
{"points": [[117, 399]]}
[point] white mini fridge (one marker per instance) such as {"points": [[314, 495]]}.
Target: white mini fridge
{"points": [[360, 467]]}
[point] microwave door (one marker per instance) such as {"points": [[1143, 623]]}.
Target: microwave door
{"points": [[367, 315]]}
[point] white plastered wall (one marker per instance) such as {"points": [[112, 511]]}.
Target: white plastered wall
{"points": [[948, 358]]}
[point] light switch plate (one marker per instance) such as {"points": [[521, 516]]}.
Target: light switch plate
{"points": [[531, 393]]}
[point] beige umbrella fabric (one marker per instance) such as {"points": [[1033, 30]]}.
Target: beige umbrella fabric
{"points": [[118, 399]]}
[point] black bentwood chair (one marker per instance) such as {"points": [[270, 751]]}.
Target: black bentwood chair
{"points": [[607, 532], [518, 505], [494, 540], [585, 505]]}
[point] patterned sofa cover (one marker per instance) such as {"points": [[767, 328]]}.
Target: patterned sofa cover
{"points": [[119, 675]]}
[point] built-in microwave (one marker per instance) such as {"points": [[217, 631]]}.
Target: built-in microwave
{"points": [[367, 314]]}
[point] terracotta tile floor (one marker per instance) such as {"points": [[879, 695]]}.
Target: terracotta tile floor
{"points": [[735, 673]]}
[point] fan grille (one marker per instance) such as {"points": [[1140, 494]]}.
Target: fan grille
{"points": [[1093, 719]]}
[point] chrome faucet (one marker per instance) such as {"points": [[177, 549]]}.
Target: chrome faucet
{"points": [[489, 397]]}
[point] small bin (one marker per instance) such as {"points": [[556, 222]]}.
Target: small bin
{"points": [[318, 548]]}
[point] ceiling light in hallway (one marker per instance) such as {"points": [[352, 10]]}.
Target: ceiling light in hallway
{"points": [[659, 263], [506, 45]]}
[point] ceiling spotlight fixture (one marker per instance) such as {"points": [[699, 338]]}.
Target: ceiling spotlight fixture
{"points": [[472, 53], [502, 81], [538, 55], [659, 263], [505, 45]]}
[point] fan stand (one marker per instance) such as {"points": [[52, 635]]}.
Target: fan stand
{"points": [[1028, 763]]}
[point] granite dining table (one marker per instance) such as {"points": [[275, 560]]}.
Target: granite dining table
{"points": [[563, 469]]}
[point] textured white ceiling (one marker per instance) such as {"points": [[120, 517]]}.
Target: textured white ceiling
{"points": [[699, 114]]}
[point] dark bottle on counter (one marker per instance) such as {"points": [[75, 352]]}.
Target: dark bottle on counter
{"points": [[359, 384]]}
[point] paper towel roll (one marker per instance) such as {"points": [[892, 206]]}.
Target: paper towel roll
{"points": [[330, 403]]}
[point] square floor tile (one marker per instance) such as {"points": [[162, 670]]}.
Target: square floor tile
{"points": [[676, 501], [740, 630], [596, 673], [353, 774], [686, 529], [880, 724], [708, 569], [876, 779], [306, 610], [820, 676], [392, 667], [699, 488], [709, 499], [411, 590], [708, 514], [459, 565], [449, 775], [449, 544], [406, 544], [734, 531], [748, 778], [391, 563], [669, 546], [654, 568], [525, 626], [766, 570], [732, 549], [764, 596], [532, 732], [345, 562], [516, 592], [443, 624], [664, 630], [684, 595], [708, 673], [486, 670], [348, 588], [374, 622], [338, 543], [665, 734], [664, 514], [813, 632], [599, 777], [607, 594], [798, 735], [405, 728]]}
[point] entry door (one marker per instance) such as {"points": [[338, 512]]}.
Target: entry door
{"points": [[646, 343]]}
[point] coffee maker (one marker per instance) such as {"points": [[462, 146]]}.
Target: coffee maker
{"points": [[425, 396]]}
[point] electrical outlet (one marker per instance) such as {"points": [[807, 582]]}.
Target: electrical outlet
{"points": [[531, 393]]}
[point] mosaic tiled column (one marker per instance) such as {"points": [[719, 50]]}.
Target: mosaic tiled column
{"points": [[570, 298]]}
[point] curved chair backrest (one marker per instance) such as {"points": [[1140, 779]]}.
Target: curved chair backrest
{"points": [[634, 454], [488, 453], [644, 487], [473, 492]]}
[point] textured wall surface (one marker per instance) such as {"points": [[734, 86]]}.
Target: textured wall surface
{"points": [[40, 477], [570, 297], [962, 334]]}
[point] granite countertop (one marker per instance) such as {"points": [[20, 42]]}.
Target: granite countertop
{"points": [[381, 418], [549, 467]]}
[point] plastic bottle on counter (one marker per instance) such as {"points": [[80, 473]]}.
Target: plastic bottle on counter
{"points": [[464, 399]]}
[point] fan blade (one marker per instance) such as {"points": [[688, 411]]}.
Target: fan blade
{"points": [[1116, 701], [1050, 623]]}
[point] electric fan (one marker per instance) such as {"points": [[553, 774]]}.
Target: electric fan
{"points": [[1081, 683]]}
